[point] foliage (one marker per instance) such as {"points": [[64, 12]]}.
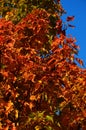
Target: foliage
{"points": [[41, 85], [16, 9]]}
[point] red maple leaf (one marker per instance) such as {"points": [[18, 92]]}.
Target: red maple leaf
{"points": [[70, 18]]}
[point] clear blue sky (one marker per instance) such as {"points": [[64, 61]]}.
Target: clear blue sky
{"points": [[77, 8]]}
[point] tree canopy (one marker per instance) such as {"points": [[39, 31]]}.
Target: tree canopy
{"points": [[42, 87]]}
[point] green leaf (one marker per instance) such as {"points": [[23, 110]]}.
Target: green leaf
{"points": [[49, 118]]}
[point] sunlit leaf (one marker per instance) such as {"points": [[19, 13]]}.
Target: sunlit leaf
{"points": [[49, 118], [41, 84]]}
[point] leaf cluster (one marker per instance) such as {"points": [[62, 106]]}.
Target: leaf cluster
{"points": [[40, 93]]}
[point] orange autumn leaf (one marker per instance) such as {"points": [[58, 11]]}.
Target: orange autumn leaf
{"points": [[13, 127], [80, 61], [41, 83], [84, 113], [32, 97]]}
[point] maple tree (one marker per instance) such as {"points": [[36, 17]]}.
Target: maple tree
{"points": [[14, 10], [41, 85]]}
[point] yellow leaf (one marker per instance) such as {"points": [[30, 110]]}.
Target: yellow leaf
{"points": [[58, 124], [37, 127], [40, 81], [49, 118], [7, 17], [16, 113]]}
